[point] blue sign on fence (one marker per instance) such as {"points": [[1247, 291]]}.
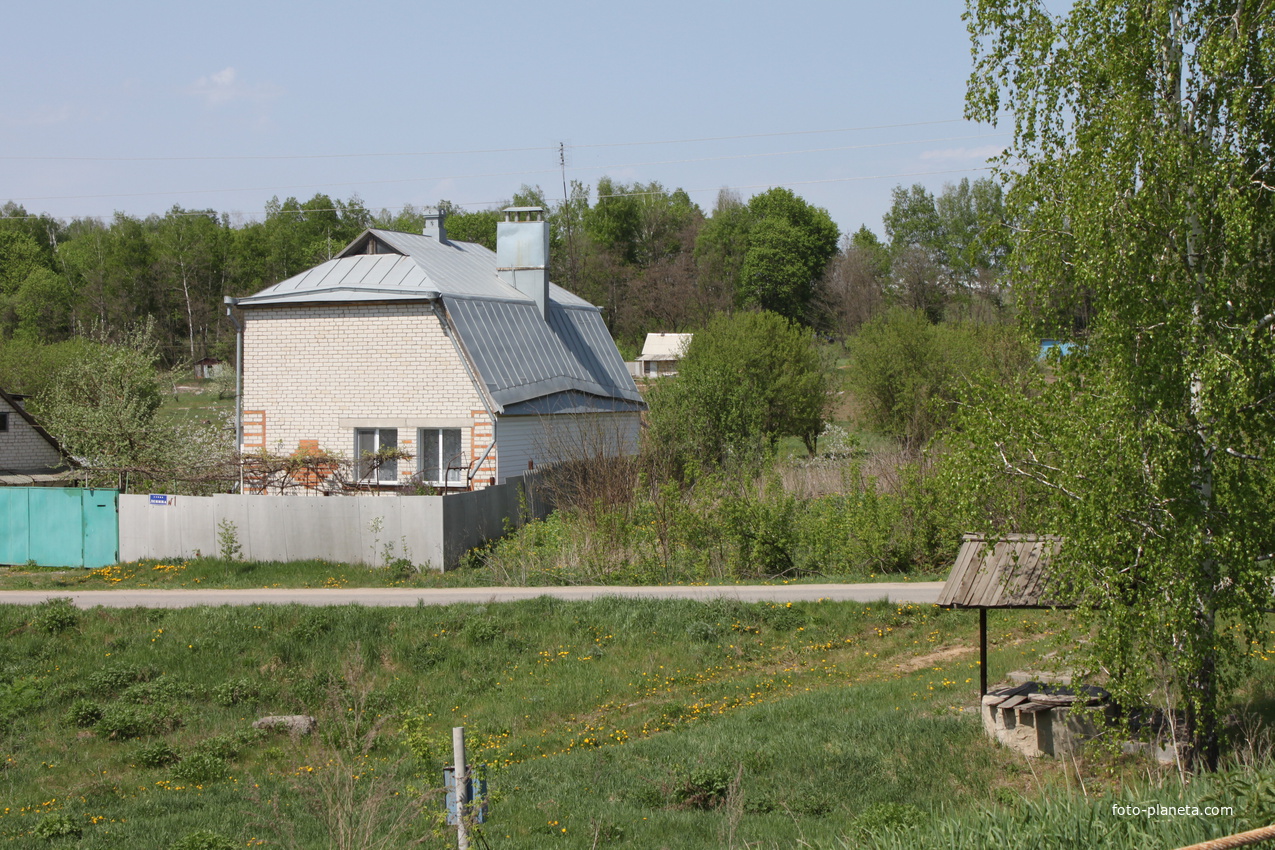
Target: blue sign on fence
{"points": [[161, 499]]}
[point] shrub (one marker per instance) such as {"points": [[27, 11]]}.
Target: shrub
{"points": [[237, 692], [702, 788], [203, 839], [156, 754], [56, 615], [201, 768], [881, 817], [59, 825], [159, 691], [122, 720], [909, 374], [746, 380], [112, 680], [83, 713]]}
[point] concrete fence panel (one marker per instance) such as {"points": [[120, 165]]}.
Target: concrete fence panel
{"points": [[430, 531]]}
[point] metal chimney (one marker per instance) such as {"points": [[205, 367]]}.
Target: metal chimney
{"points": [[435, 224], [522, 253]]}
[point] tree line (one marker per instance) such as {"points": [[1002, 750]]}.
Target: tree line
{"points": [[652, 258]]}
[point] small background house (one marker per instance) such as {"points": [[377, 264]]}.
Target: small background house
{"points": [[661, 353], [209, 367], [467, 359]]}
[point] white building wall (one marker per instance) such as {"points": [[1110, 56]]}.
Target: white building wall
{"points": [[541, 440], [315, 373], [22, 447]]}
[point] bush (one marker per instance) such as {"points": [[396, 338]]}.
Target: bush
{"points": [[83, 713], [160, 691], [157, 754], [909, 374], [746, 380], [237, 692], [56, 615], [203, 839], [60, 825], [122, 720], [702, 788], [201, 768], [112, 680]]}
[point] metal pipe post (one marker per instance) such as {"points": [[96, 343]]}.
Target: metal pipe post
{"points": [[462, 788]]}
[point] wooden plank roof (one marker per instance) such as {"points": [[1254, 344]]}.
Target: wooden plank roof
{"points": [[1005, 571]]}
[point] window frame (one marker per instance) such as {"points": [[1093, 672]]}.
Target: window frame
{"points": [[438, 476], [389, 469]]}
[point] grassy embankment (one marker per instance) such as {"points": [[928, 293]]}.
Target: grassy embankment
{"points": [[602, 724]]}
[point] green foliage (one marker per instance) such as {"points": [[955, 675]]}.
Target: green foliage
{"points": [[746, 380], [228, 540], [910, 375], [702, 788], [887, 817], [113, 679], [769, 253], [201, 768], [57, 825], [240, 691], [1151, 238], [84, 713], [203, 839], [121, 721], [56, 615], [156, 754]]}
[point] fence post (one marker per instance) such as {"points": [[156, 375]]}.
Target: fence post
{"points": [[462, 788]]}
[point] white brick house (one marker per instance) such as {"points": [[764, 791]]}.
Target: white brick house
{"points": [[469, 360], [28, 453]]}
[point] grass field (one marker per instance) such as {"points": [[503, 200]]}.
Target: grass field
{"points": [[219, 573], [612, 723]]}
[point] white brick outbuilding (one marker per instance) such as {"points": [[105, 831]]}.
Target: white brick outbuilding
{"points": [[28, 454], [468, 360]]}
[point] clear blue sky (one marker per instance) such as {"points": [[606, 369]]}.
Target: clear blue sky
{"points": [[137, 106]]}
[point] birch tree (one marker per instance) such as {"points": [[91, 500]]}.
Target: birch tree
{"points": [[1142, 189]]}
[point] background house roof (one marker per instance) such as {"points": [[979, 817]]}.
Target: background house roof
{"points": [[665, 346], [518, 355]]}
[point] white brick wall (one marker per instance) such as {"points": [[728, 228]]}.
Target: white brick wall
{"points": [[319, 372], [22, 447]]}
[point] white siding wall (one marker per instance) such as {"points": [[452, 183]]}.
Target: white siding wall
{"points": [[315, 373], [22, 447], [544, 439]]}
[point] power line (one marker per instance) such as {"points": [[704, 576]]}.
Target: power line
{"points": [[489, 203], [378, 155], [721, 158]]}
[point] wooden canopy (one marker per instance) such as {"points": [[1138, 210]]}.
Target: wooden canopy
{"points": [[1007, 571], [1000, 571]]}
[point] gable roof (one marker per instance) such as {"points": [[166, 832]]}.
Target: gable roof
{"points": [[665, 346], [520, 357], [12, 402]]}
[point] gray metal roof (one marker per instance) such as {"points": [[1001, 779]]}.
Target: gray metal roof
{"points": [[1009, 571], [519, 356]]}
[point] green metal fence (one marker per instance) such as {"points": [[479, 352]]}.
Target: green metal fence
{"points": [[59, 526]]}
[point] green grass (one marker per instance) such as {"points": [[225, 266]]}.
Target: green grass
{"points": [[611, 723], [217, 573], [195, 406]]}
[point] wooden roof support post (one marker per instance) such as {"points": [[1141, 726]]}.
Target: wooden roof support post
{"points": [[982, 652]]}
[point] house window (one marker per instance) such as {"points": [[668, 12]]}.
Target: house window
{"points": [[369, 441], [4, 421], [442, 461]]}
